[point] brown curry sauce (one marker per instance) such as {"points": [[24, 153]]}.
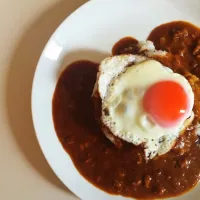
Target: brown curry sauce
{"points": [[125, 171]]}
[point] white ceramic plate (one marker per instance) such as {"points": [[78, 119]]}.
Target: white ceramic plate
{"points": [[89, 33]]}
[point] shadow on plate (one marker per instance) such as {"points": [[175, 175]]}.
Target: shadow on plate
{"points": [[78, 55], [19, 84]]}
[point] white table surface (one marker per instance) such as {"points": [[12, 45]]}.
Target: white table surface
{"points": [[26, 26]]}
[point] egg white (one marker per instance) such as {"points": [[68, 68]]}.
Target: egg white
{"points": [[122, 88]]}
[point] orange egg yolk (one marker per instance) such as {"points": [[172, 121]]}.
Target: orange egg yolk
{"points": [[166, 102]]}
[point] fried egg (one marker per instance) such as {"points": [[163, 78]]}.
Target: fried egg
{"points": [[131, 91]]}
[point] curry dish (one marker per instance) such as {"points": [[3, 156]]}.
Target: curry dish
{"points": [[125, 171]]}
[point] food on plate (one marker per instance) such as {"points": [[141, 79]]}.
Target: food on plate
{"points": [[115, 120], [142, 102]]}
